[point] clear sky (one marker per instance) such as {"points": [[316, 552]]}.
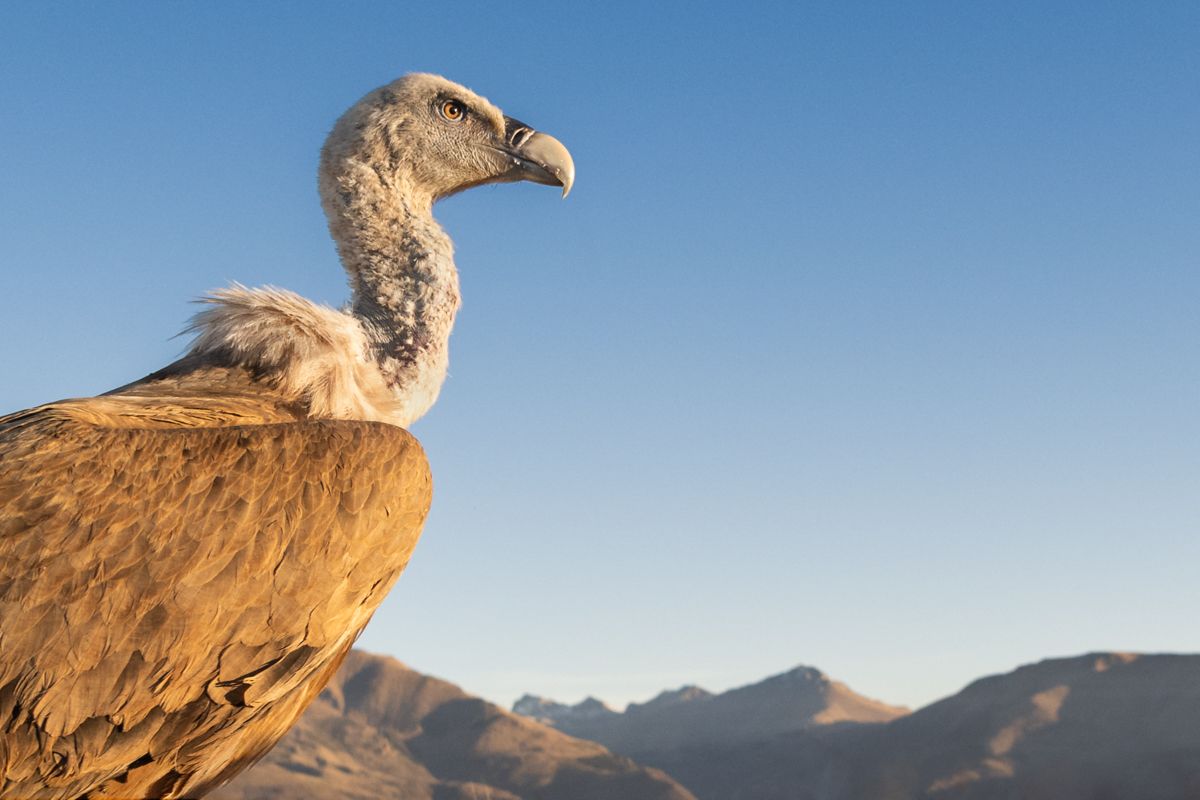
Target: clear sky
{"points": [[867, 339]]}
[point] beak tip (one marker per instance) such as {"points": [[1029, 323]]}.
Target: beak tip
{"points": [[567, 177]]}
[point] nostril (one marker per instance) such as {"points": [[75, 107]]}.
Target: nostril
{"points": [[516, 133], [519, 136]]}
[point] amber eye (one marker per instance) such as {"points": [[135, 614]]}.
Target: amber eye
{"points": [[452, 110]]}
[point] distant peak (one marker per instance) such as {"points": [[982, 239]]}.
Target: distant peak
{"points": [[591, 705], [687, 693], [671, 697], [531, 705], [805, 672], [798, 676]]}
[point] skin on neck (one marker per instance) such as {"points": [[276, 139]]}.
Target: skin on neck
{"points": [[399, 261]]}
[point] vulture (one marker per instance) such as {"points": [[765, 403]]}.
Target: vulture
{"points": [[186, 560]]}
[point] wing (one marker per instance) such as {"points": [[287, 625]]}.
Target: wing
{"points": [[172, 598]]}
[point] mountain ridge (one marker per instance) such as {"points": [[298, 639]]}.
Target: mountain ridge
{"points": [[790, 701]]}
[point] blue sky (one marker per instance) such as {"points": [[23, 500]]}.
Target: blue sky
{"points": [[867, 338]]}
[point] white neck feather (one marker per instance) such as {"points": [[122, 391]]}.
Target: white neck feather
{"points": [[385, 356]]}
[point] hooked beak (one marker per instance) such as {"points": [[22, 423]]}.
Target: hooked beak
{"points": [[536, 156]]}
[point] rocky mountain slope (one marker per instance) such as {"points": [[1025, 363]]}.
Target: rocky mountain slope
{"points": [[381, 730], [1105, 725]]}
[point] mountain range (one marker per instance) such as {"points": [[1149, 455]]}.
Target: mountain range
{"points": [[796, 700], [1103, 726]]}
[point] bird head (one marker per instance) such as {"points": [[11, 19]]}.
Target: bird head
{"points": [[436, 138]]}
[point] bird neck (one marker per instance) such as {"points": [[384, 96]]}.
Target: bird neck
{"points": [[401, 268]]}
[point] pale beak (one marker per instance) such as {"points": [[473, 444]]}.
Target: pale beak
{"points": [[536, 156]]}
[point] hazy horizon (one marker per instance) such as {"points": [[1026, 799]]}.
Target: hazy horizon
{"points": [[866, 339]]}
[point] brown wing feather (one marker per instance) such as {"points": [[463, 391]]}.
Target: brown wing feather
{"points": [[172, 597]]}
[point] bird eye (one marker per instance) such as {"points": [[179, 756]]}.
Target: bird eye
{"points": [[452, 110]]}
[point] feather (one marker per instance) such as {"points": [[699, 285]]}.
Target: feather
{"points": [[128, 622]]}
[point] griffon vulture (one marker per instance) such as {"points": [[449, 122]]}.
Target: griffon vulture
{"points": [[185, 561]]}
